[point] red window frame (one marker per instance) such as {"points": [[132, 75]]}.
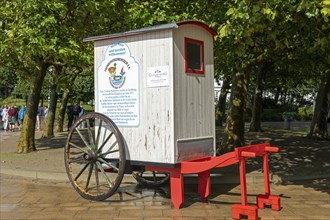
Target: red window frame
{"points": [[201, 44]]}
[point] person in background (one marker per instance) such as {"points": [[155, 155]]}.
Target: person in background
{"points": [[46, 111], [39, 115], [1, 123], [82, 125], [5, 117], [12, 113], [76, 109], [21, 115], [69, 112]]}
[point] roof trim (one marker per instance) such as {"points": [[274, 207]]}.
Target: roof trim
{"points": [[133, 32], [151, 29], [201, 24]]}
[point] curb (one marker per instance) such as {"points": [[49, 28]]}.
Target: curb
{"points": [[48, 175], [253, 178], [216, 178]]}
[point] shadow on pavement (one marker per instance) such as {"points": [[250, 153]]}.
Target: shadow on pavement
{"points": [[298, 158], [58, 141]]}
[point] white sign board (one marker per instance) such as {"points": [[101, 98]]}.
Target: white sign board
{"points": [[118, 86], [158, 76]]}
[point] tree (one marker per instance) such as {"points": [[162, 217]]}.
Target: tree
{"points": [[319, 127], [67, 81], [234, 129], [255, 124], [48, 131], [255, 33], [221, 105], [36, 37], [7, 82]]}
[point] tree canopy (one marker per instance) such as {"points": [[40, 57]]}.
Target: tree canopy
{"points": [[283, 42]]}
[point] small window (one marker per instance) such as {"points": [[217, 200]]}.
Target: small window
{"points": [[194, 56]]}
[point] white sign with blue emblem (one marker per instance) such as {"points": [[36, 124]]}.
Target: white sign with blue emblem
{"points": [[118, 86]]}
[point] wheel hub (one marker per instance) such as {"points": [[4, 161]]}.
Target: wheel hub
{"points": [[90, 156]]}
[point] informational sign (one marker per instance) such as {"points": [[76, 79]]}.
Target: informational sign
{"points": [[118, 86], [158, 76]]}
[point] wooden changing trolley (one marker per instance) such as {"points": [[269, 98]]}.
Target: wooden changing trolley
{"points": [[154, 110]]}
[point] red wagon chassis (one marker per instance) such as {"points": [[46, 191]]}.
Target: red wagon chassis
{"points": [[203, 166]]}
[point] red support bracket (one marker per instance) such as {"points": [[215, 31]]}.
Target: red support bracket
{"points": [[274, 201], [250, 210], [203, 166], [239, 210], [204, 185], [267, 198], [244, 209]]}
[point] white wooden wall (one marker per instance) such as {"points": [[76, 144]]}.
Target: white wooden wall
{"points": [[153, 140], [194, 94], [181, 112]]}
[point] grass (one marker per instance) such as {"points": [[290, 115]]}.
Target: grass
{"points": [[20, 102], [12, 101]]}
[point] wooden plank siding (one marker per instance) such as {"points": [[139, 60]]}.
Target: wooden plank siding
{"points": [[193, 93], [152, 141], [176, 121]]}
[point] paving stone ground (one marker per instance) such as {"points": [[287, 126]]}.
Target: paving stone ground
{"points": [[37, 187], [24, 198]]}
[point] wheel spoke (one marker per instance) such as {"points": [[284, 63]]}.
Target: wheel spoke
{"points": [[78, 159], [98, 133], [108, 164], [90, 134], [105, 141], [82, 138], [81, 171], [89, 176], [95, 157], [79, 148], [154, 175], [97, 180], [152, 178], [110, 183], [109, 152]]}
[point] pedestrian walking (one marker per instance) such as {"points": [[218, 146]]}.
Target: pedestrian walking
{"points": [[82, 125], [5, 117], [21, 115], [39, 115], [69, 112], [45, 114], [1, 123], [76, 109], [46, 111], [12, 117]]}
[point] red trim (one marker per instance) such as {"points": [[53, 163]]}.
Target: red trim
{"points": [[201, 24], [202, 167], [189, 70]]}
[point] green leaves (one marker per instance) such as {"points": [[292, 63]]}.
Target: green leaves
{"points": [[325, 11]]}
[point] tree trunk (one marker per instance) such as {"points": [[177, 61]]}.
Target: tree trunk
{"points": [[48, 131], [221, 105], [319, 127], [61, 115], [26, 141], [255, 125], [65, 98], [284, 97], [234, 130], [277, 95]]}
